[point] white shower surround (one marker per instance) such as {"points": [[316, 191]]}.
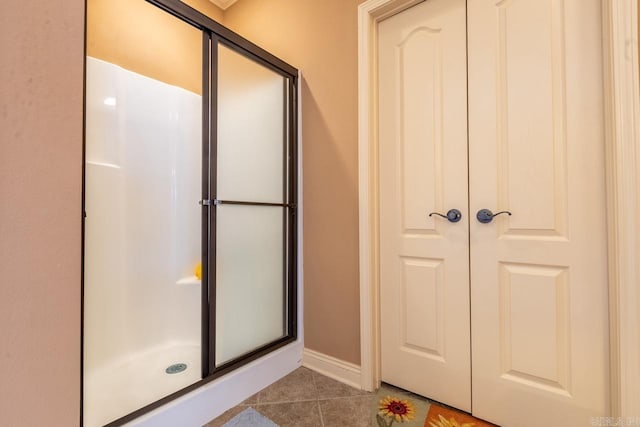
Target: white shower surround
{"points": [[143, 239], [142, 216]]}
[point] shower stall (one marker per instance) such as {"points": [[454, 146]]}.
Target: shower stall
{"points": [[190, 200]]}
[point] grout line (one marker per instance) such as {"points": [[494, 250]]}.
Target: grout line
{"points": [[320, 412], [315, 386], [345, 397], [279, 402]]}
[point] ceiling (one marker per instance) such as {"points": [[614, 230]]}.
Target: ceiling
{"points": [[223, 4]]}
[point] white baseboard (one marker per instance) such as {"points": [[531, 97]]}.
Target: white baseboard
{"points": [[339, 370]]}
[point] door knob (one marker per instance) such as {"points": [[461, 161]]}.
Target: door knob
{"points": [[453, 215], [485, 215]]}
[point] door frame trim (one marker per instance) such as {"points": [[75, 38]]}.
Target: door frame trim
{"points": [[622, 121], [622, 127]]}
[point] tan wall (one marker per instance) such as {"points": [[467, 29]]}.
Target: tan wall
{"points": [[320, 38], [143, 38], [40, 206]]}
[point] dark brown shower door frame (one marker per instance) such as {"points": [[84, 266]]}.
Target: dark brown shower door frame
{"points": [[290, 191], [215, 34]]}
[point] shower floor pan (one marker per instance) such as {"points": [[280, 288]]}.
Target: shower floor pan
{"points": [[118, 389]]}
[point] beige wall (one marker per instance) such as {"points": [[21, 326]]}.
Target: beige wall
{"points": [[40, 206], [320, 38], [143, 38]]}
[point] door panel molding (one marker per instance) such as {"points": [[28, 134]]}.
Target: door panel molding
{"points": [[516, 93], [427, 186], [622, 116], [534, 289]]}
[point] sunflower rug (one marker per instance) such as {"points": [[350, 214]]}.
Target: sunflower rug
{"points": [[400, 408]]}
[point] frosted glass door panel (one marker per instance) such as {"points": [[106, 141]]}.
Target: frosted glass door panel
{"points": [[251, 134], [250, 309]]}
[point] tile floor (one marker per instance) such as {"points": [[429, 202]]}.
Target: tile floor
{"points": [[307, 399]]}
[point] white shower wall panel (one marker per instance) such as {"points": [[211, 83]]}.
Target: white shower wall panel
{"points": [[143, 183], [104, 268]]}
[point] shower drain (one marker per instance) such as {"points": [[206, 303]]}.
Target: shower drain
{"points": [[176, 368]]}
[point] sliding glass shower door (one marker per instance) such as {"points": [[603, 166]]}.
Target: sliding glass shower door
{"points": [[253, 207], [190, 205]]}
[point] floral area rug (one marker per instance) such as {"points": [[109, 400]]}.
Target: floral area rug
{"points": [[399, 408], [439, 416]]}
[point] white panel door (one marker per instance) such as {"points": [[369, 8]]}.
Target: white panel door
{"points": [[536, 141], [424, 266]]}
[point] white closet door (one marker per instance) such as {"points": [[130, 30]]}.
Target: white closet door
{"points": [[538, 277], [424, 268]]}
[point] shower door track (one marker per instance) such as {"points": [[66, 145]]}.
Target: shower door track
{"points": [[213, 33]]}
